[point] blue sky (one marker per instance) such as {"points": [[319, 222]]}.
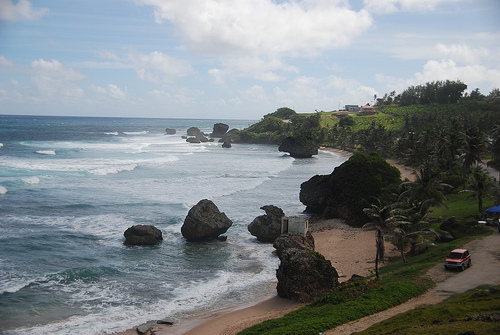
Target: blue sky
{"points": [[236, 59]]}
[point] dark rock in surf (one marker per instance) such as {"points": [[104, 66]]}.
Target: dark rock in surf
{"points": [[204, 221], [219, 130], [232, 136], [194, 131], [193, 140], [267, 227], [226, 144], [142, 235], [170, 131], [299, 147]]}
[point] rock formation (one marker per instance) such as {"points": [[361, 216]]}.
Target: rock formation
{"points": [[205, 221], [351, 187], [226, 144], [170, 131], [267, 227], [142, 235], [299, 147], [304, 275], [232, 136], [287, 241], [194, 131], [197, 136], [219, 130], [193, 140]]}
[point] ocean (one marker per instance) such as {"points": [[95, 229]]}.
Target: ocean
{"points": [[71, 186]]}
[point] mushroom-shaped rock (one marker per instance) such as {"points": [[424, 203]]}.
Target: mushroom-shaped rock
{"points": [[220, 129], [194, 131], [267, 227], [205, 221], [304, 275], [299, 147], [142, 235]]}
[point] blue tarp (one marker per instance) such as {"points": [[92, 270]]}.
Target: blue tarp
{"points": [[495, 209]]}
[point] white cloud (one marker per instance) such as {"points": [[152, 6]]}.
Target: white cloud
{"points": [[111, 91], [392, 6], [107, 54], [259, 68], [5, 62], [158, 67], [22, 10], [472, 75], [52, 79], [462, 53], [262, 27], [350, 91]]}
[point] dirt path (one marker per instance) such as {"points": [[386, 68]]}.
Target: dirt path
{"points": [[485, 270]]}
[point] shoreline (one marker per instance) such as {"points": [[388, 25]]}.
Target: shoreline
{"points": [[333, 239]]}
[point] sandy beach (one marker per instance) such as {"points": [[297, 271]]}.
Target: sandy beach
{"points": [[350, 250]]}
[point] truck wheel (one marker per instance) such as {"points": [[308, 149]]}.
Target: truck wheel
{"points": [[470, 263], [463, 267]]}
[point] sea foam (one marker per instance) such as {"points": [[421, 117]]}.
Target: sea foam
{"points": [[136, 132], [32, 180], [46, 152]]}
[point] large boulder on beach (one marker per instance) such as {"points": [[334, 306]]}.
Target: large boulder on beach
{"points": [[304, 275], [267, 227], [352, 186], [220, 129], [142, 235], [299, 146], [204, 221]]}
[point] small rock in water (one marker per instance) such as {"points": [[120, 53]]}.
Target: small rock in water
{"points": [[164, 322]]}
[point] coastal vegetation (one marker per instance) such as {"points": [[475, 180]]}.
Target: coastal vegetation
{"points": [[398, 283], [449, 138]]}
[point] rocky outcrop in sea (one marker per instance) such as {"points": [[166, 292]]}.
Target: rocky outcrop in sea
{"points": [[299, 147], [142, 235], [220, 129], [204, 221], [267, 227]]}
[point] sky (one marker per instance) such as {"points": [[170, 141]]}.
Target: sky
{"points": [[236, 59]]}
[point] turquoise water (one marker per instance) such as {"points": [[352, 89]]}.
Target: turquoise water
{"points": [[70, 187]]}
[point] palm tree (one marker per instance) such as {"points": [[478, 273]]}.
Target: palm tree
{"points": [[473, 146], [412, 226], [427, 190], [381, 218], [481, 185]]}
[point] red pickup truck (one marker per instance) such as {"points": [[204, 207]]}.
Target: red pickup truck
{"points": [[458, 259]]}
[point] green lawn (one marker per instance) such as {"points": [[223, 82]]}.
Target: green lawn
{"points": [[460, 207]]}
